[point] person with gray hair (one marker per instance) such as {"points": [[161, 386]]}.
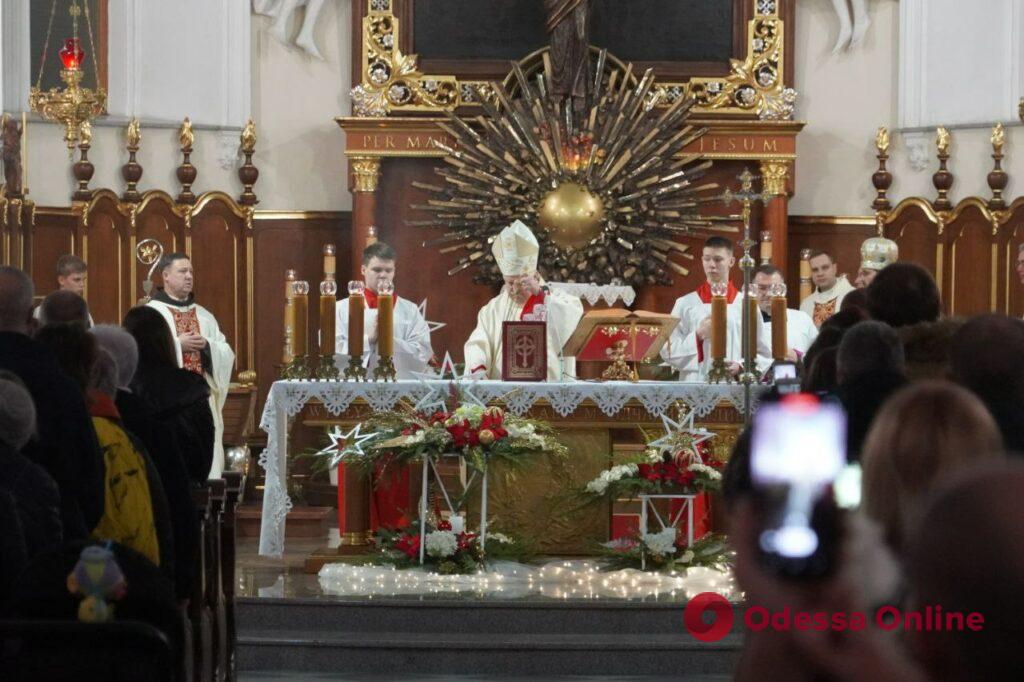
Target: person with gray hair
{"points": [[161, 445], [870, 368], [35, 493], [122, 348], [64, 306], [67, 447]]}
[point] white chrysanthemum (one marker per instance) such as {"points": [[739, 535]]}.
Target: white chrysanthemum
{"points": [[710, 472], [474, 413], [441, 543], [662, 543], [520, 430], [500, 537], [597, 486], [686, 558]]}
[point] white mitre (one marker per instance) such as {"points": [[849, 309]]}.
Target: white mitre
{"points": [[515, 250]]}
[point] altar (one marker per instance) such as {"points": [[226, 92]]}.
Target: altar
{"points": [[593, 419]]}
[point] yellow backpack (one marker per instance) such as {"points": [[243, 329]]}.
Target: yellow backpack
{"points": [[128, 506]]}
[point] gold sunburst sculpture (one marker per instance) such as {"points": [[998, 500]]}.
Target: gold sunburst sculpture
{"points": [[602, 181]]}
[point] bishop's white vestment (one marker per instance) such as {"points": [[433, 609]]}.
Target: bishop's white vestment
{"points": [[483, 349]]}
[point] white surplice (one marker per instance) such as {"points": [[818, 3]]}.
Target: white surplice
{"points": [[412, 350], [218, 376], [821, 305], [484, 345], [681, 350]]}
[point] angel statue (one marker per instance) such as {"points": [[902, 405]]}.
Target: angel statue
{"points": [[853, 23], [10, 153], [281, 11]]}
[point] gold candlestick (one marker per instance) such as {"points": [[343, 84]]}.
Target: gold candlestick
{"points": [[356, 305], [753, 314], [806, 286], [385, 370], [289, 318]]}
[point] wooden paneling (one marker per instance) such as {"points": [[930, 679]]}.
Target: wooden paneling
{"points": [[970, 282], [836, 235], [285, 241], [53, 236]]}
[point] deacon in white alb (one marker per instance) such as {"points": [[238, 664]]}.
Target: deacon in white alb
{"points": [[800, 329], [198, 341], [412, 349], [515, 249], [689, 347], [830, 288]]}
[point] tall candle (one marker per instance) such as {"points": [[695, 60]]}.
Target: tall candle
{"points": [[779, 341], [385, 325], [24, 153], [330, 268], [328, 301], [806, 288], [289, 331], [300, 345], [356, 306], [289, 317], [718, 317], [766, 247]]}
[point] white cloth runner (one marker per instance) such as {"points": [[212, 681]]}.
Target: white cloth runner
{"points": [[287, 398]]}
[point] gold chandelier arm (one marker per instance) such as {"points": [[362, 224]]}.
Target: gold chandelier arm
{"points": [[46, 45]]}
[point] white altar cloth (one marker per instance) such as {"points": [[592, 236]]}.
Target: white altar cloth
{"points": [[287, 398]]}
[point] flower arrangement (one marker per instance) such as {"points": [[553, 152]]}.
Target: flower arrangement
{"points": [[684, 466], [480, 434], [447, 550], [666, 551]]}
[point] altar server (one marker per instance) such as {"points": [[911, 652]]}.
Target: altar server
{"points": [[829, 288], [199, 344], [412, 350], [689, 347], [800, 329], [875, 254], [515, 249]]}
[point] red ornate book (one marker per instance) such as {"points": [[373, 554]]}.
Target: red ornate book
{"points": [[524, 354]]}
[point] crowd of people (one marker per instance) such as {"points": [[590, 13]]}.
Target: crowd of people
{"points": [[934, 419], [103, 438]]}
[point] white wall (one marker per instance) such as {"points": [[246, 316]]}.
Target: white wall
{"points": [[845, 98], [300, 150]]}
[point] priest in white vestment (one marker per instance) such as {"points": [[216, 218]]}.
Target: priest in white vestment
{"points": [[800, 329], [830, 288], [515, 249], [199, 344], [412, 350], [689, 347]]}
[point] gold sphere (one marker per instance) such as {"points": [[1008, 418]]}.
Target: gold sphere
{"points": [[572, 215], [486, 436]]}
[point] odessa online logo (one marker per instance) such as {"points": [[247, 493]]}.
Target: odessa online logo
{"points": [[694, 618]]}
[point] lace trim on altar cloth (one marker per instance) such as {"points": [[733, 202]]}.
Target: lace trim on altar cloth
{"points": [[289, 397], [592, 293]]}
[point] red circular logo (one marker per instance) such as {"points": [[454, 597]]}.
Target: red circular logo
{"points": [[693, 617]]}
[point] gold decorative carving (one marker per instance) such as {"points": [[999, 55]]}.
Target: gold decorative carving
{"points": [[186, 138], [133, 134], [998, 138], [942, 140], [774, 176], [882, 140], [367, 172], [248, 138], [392, 82]]}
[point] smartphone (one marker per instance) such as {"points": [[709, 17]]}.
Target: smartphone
{"points": [[785, 376], [798, 450]]}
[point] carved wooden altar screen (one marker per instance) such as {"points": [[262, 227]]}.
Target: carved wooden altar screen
{"points": [[414, 59]]}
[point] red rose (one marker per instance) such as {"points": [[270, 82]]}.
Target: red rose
{"points": [[409, 545], [465, 540], [463, 434]]}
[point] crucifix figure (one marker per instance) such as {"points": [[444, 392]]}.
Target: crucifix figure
{"points": [[569, 27], [525, 348]]}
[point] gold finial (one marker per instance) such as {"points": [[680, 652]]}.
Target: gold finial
{"points": [[133, 134], [185, 136], [249, 138], [942, 140], [882, 140], [85, 133], [998, 138]]}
